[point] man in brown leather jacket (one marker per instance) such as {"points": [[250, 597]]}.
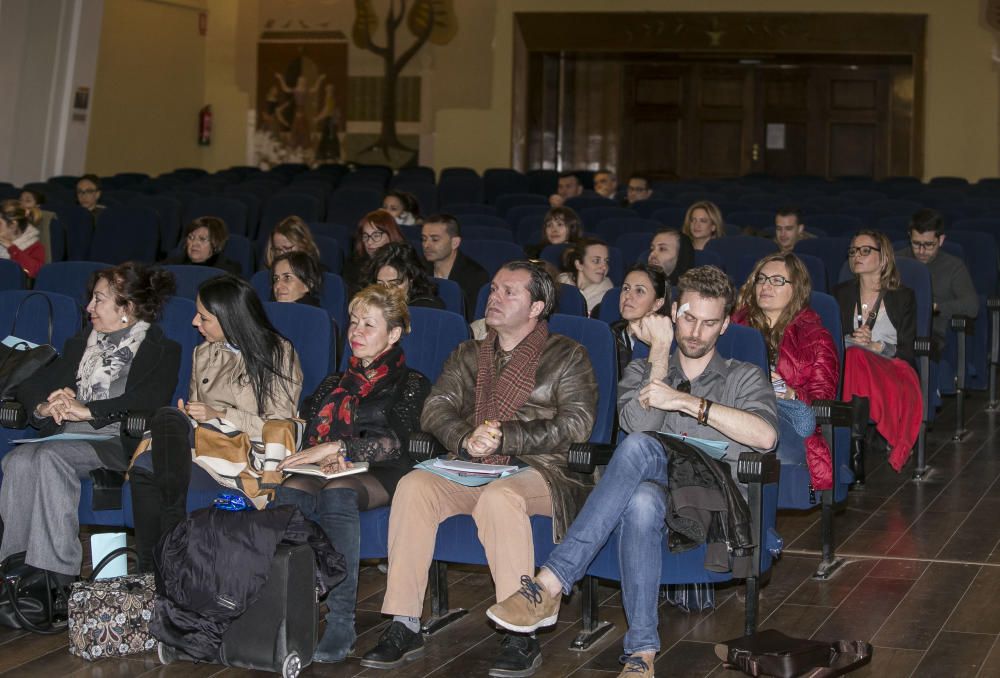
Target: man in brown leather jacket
{"points": [[520, 396]]}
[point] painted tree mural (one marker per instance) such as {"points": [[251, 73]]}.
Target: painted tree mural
{"points": [[431, 21]]}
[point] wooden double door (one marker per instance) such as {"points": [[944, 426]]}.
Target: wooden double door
{"points": [[723, 120]]}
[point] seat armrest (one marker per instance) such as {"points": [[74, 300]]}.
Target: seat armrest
{"points": [[135, 424], [922, 346], [585, 457], [834, 412], [758, 467], [13, 415], [424, 446], [963, 324], [993, 303], [107, 495]]}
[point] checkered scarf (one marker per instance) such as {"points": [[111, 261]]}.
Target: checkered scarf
{"points": [[499, 398]]}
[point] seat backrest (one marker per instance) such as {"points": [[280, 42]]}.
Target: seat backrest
{"points": [[611, 228], [733, 248], [492, 254], [232, 211], [592, 216], [451, 294], [571, 301], [189, 278], [707, 257], [178, 313], [169, 211], [11, 275], [756, 219], [596, 338], [347, 205], [917, 277], [981, 258], [744, 343], [330, 254], [503, 181], [434, 334], [311, 332], [610, 311], [32, 322], [829, 312], [455, 189], [125, 234], [240, 250], [507, 202], [68, 277], [286, 204], [634, 247], [477, 232]]}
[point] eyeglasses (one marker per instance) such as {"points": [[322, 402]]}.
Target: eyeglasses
{"points": [[198, 238], [374, 236], [684, 386], [924, 246], [772, 280], [282, 250], [392, 282], [864, 250]]}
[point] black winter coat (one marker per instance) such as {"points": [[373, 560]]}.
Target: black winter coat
{"points": [[210, 567]]}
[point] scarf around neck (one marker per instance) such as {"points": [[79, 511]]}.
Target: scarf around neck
{"points": [[105, 356], [337, 416], [499, 397]]}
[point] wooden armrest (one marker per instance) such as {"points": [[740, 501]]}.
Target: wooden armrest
{"points": [[424, 446], [585, 457]]}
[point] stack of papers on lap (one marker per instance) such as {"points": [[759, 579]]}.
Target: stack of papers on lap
{"points": [[469, 468]]}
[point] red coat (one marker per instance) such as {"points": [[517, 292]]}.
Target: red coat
{"points": [[30, 259], [807, 361]]}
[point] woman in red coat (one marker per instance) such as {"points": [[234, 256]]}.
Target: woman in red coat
{"points": [[802, 355], [19, 239]]}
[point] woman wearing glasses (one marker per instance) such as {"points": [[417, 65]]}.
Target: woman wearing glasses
{"points": [[375, 230], [204, 239], [801, 355], [397, 266], [879, 319], [290, 235]]}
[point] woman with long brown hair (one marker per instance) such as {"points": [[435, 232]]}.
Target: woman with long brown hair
{"points": [[801, 355]]}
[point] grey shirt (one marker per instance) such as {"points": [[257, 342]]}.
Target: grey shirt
{"points": [[732, 383], [951, 288]]}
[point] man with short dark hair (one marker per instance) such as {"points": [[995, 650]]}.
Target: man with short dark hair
{"points": [[605, 183], [638, 189], [694, 392], [441, 237], [954, 293], [569, 186], [789, 229], [520, 396]]}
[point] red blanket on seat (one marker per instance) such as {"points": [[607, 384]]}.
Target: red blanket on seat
{"points": [[893, 390]]}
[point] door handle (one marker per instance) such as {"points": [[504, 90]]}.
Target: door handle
{"points": [[755, 152]]}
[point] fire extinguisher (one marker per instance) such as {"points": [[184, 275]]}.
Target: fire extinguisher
{"points": [[205, 126]]}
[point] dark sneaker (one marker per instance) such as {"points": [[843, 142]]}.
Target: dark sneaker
{"points": [[397, 646], [636, 666], [520, 657]]}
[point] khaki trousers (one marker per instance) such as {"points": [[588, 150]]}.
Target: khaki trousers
{"points": [[502, 511]]}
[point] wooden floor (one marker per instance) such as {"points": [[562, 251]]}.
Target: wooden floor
{"points": [[921, 582]]}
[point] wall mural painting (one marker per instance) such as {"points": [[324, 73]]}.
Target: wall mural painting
{"points": [[305, 99], [301, 97]]}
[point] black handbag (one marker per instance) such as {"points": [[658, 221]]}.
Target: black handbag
{"points": [[19, 362], [772, 653], [30, 598]]}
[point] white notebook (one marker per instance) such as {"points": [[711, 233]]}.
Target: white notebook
{"points": [[315, 470]]}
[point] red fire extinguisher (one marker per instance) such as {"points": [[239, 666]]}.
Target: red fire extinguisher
{"points": [[205, 126]]}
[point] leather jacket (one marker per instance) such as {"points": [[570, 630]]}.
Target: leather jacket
{"points": [[560, 410]]}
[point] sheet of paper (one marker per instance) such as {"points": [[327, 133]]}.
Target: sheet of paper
{"points": [[713, 448]]}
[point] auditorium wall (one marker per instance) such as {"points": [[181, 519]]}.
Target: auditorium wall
{"points": [[145, 109]]}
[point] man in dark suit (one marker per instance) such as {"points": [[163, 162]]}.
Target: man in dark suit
{"points": [[441, 237]]}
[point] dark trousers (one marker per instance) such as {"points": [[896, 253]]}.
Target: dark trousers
{"points": [[159, 496]]}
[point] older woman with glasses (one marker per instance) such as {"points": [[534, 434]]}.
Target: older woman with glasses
{"points": [[878, 315], [290, 235], [375, 230], [801, 354]]}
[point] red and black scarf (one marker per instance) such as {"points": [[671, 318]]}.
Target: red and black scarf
{"points": [[337, 415], [498, 398]]}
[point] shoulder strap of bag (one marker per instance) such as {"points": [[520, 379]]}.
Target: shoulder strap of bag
{"points": [[124, 550], [17, 313], [53, 628]]}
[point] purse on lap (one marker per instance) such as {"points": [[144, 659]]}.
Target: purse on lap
{"points": [[110, 617]]}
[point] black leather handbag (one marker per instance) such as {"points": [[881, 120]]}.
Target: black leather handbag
{"points": [[30, 598], [772, 653], [19, 362]]}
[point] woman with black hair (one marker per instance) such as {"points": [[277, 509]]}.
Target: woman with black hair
{"points": [[403, 207], [296, 277], [244, 373], [645, 291], [122, 363], [561, 225], [204, 240], [397, 265]]}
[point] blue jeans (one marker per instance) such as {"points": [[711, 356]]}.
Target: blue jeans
{"points": [[630, 498], [796, 422], [336, 511]]}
